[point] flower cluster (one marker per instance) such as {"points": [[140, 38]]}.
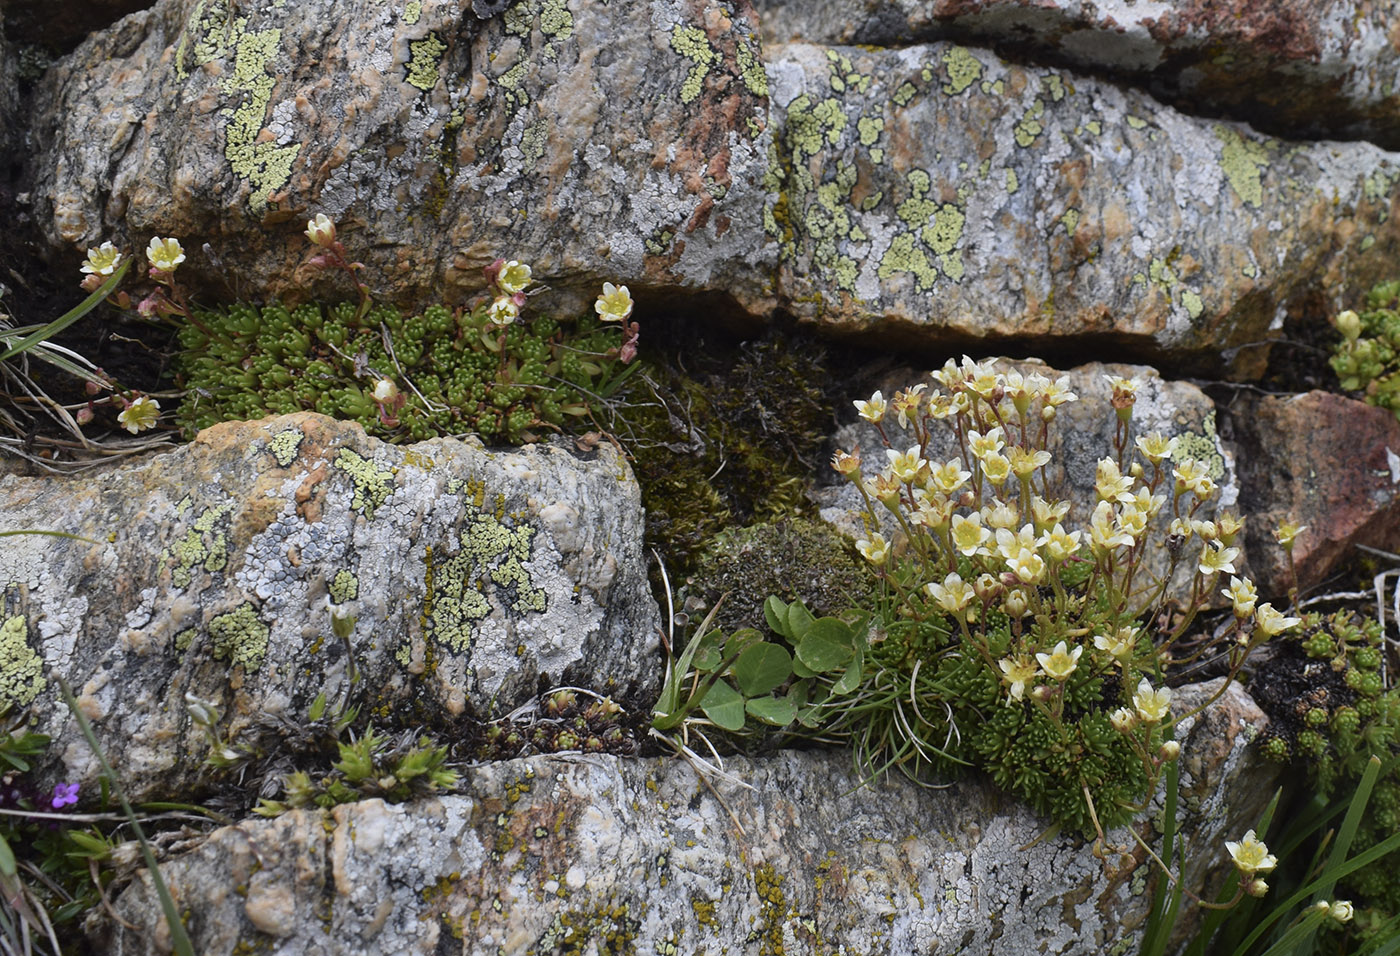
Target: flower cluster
{"points": [[964, 525]]}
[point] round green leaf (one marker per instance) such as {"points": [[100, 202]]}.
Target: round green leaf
{"points": [[778, 711], [724, 705], [827, 644], [761, 668]]}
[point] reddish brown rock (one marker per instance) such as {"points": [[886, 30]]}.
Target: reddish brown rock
{"points": [[1320, 460]]}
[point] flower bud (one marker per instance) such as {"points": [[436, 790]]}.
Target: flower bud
{"points": [[1256, 888], [84, 415], [1123, 720], [1042, 693], [1349, 324], [320, 230], [1341, 911], [1014, 604], [1169, 751], [385, 391]]}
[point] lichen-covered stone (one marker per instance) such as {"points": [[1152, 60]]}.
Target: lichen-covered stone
{"points": [[597, 141], [1080, 436], [216, 569], [936, 192], [585, 854], [1323, 68]]}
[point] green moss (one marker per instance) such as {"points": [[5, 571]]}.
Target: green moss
{"points": [[240, 638], [21, 668]]}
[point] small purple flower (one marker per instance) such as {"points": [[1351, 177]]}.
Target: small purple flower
{"points": [[63, 795]]}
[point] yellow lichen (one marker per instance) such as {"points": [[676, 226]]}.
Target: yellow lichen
{"points": [[21, 667]]}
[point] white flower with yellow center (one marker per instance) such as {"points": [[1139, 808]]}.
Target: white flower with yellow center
{"points": [[1057, 393], [1046, 514], [1060, 662], [1009, 543], [982, 445], [1272, 621], [906, 404], [103, 260], [1229, 525], [1216, 558], [502, 312], [874, 549], [1148, 503], [996, 468], [614, 305], [515, 276], [874, 409], [1286, 532], [1017, 672], [999, 514], [952, 595], [165, 254], [141, 414], [906, 465], [1104, 535], [1057, 544], [1025, 461], [949, 476], [1156, 448], [1028, 566], [1111, 484], [1133, 522], [969, 537], [1251, 855], [1189, 473], [1243, 595], [845, 463], [1119, 644], [1152, 705], [932, 510]]}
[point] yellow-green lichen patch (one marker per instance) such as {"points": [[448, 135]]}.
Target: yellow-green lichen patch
{"points": [[904, 256], [412, 10], [556, 22], [284, 445], [21, 667], [1192, 302], [1094, 126], [843, 76], [372, 486], [1137, 122], [691, 43], [1243, 162], [869, 128], [490, 552], [265, 165], [1055, 86], [212, 25], [827, 221], [423, 58], [344, 586], [704, 911], [1201, 446], [204, 545], [1029, 127], [808, 124], [751, 70], [904, 94], [1012, 183], [943, 237], [773, 911], [963, 69], [184, 639], [240, 638], [1070, 220]]}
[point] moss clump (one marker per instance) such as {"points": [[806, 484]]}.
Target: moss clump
{"points": [[1367, 359], [724, 436], [795, 558], [451, 372]]}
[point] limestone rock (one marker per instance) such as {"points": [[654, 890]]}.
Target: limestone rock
{"points": [[1320, 460], [216, 569], [1082, 434], [599, 141], [937, 193], [1298, 67], [582, 852]]}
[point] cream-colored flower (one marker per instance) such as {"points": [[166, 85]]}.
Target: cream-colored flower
{"points": [[1104, 535], [1057, 544], [1156, 448], [1123, 720], [1060, 662], [1189, 474], [1229, 525], [1273, 622], [999, 514], [874, 549], [1341, 911], [907, 465], [1009, 543], [385, 391], [614, 305], [1206, 529], [165, 254], [1057, 393], [1349, 324], [1111, 484], [996, 467], [949, 476], [1152, 705], [1216, 558], [969, 537], [1133, 522], [952, 595], [1242, 594], [103, 260], [1015, 603], [982, 445], [320, 230], [1286, 532], [503, 311], [1025, 461], [1119, 645], [515, 276], [140, 414], [1046, 514], [1028, 566], [845, 463], [874, 409], [932, 510], [1251, 855], [1017, 672], [906, 404], [1123, 387]]}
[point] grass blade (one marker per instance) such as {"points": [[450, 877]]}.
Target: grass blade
{"points": [[72, 315]]}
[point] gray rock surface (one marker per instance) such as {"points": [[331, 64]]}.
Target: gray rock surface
{"points": [[1297, 67], [599, 141], [216, 569], [936, 193], [601, 854]]}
